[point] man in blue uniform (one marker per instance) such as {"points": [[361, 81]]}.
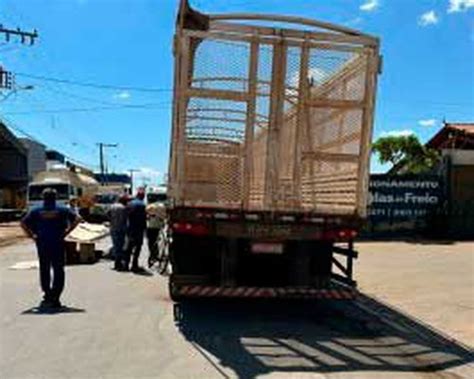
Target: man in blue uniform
{"points": [[48, 225], [136, 228]]}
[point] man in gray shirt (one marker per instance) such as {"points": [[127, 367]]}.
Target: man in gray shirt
{"points": [[118, 231]]}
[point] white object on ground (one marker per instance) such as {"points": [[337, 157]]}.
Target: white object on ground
{"points": [[86, 232], [25, 265]]}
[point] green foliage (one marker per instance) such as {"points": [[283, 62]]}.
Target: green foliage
{"points": [[405, 152]]}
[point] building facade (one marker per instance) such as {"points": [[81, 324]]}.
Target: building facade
{"points": [[13, 170], [455, 141], [36, 156]]}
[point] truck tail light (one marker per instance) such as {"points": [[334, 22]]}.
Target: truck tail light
{"points": [[190, 228], [340, 234], [347, 234]]}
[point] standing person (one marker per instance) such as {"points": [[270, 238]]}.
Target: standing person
{"points": [[48, 225], [136, 229], [118, 230], [155, 216]]}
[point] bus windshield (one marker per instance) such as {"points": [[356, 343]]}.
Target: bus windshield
{"points": [[35, 191], [106, 198], [156, 198]]}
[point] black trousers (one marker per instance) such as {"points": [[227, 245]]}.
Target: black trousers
{"points": [[134, 247], [51, 257], [152, 236]]}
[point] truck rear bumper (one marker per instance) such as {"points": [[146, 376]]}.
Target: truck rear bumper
{"points": [[263, 224], [202, 291]]}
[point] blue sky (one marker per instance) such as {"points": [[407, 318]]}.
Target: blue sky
{"points": [[428, 49]]}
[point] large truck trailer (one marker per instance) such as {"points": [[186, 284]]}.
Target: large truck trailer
{"points": [[269, 166]]}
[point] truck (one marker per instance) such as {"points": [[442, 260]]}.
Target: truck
{"points": [[270, 149]]}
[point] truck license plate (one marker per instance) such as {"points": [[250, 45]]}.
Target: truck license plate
{"points": [[267, 248]]}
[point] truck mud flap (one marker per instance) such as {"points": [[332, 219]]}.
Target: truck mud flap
{"points": [[264, 292]]}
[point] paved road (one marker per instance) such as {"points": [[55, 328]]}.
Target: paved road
{"points": [[121, 325], [433, 281]]}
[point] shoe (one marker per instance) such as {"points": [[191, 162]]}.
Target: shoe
{"points": [[45, 303], [136, 269], [56, 304], [118, 267]]}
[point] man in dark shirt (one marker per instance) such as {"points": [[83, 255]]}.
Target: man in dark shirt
{"points": [[118, 230], [48, 225], [136, 229]]}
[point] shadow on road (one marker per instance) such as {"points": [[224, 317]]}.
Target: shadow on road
{"points": [[52, 311], [255, 338]]}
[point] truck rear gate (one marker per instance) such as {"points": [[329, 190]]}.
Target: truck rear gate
{"points": [[271, 129]]}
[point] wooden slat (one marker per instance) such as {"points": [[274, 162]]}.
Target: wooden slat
{"points": [[333, 103], [331, 157], [320, 37], [337, 31], [172, 185], [366, 136], [276, 117], [301, 119], [185, 54], [221, 119], [223, 36], [261, 31], [217, 94], [251, 121], [225, 110]]}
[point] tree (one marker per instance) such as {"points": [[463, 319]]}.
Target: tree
{"points": [[406, 154]]}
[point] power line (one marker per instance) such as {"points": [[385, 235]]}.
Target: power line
{"points": [[20, 130], [80, 97], [75, 141], [151, 106], [93, 85], [146, 89]]}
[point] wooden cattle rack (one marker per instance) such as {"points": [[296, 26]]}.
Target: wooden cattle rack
{"points": [[271, 118]]}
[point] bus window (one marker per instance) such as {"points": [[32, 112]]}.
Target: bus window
{"points": [[35, 191], [156, 198]]}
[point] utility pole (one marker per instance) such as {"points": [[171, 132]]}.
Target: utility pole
{"points": [[131, 171], [24, 36], [7, 78], [103, 145]]}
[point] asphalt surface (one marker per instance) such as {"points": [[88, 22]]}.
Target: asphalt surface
{"points": [[122, 325]]}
